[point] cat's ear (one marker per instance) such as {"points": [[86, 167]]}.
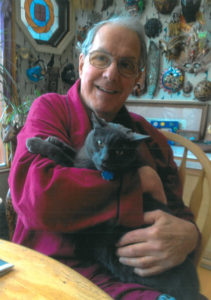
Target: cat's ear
{"points": [[97, 122], [134, 136]]}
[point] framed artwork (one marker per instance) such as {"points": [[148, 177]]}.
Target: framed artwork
{"points": [[48, 24], [191, 116]]}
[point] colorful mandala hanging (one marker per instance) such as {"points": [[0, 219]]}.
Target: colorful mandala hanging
{"points": [[172, 80], [46, 23], [40, 17]]}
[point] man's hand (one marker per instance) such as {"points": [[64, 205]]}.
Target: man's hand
{"points": [[159, 247]]}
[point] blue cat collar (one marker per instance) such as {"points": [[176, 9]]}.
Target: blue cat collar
{"points": [[165, 297], [107, 175]]}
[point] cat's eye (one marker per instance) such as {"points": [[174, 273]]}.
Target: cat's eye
{"points": [[100, 143]]}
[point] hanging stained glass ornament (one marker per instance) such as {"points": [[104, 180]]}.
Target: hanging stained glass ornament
{"points": [[40, 18], [46, 23]]}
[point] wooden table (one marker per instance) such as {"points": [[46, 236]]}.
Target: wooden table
{"points": [[36, 276]]}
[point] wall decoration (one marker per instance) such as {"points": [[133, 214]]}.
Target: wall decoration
{"points": [[172, 126], [191, 117], [153, 68], [84, 4], [52, 78], [68, 74], [48, 24], [207, 14], [174, 26], [202, 91], [22, 52], [193, 60], [106, 4], [187, 88], [40, 18], [81, 32], [165, 6], [200, 64], [196, 55], [172, 48], [134, 7], [190, 9], [172, 80], [153, 27], [37, 72]]}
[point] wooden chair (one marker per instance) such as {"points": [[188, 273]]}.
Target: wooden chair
{"points": [[197, 195]]}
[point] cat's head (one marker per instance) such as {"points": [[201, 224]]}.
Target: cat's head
{"points": [[112, 147]]}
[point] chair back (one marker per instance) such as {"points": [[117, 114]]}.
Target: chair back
{"points": [[196, 190]]}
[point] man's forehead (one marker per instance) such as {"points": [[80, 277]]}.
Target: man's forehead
{"points": [[113, 36]]}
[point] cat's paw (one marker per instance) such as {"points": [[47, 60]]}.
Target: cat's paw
{"points": [[54, 140], [33, 144]]}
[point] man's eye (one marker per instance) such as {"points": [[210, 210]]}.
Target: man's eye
{"points": [[100, 60], [101, 57], [128, 65]]}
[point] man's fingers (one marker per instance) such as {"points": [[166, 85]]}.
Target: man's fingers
{"points": [[155, 270], [139, 262]]}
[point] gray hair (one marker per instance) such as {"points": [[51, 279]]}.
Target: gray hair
{"points": [[131, 22]]}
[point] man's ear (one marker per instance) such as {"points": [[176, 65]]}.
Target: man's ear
{"points": [[81, 63], [139, 76]]}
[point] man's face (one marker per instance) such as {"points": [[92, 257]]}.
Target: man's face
{"points": [[105, 90]]}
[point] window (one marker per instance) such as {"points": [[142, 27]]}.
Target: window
{"points": [[5, 36], [2, 146]]}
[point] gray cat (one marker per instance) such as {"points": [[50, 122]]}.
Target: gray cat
{"points": [[113, 149], [110, 148]]}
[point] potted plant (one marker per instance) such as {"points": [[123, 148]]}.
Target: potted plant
{"points": [[13, 115]]}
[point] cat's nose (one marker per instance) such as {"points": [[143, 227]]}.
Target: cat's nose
{"points": [[105, 160]]}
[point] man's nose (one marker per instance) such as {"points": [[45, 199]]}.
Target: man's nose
{"points": [[111, 72]]}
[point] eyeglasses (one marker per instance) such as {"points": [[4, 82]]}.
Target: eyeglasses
{"points": [[127, 66]]}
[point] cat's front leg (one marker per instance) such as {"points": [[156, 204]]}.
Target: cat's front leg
{"points": [[37, 145], [62, 145]]}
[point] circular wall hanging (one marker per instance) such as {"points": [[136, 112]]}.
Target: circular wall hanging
{"points": [[153, 27], [48, 24], [202, 91], [40, 17], [172, 80]]}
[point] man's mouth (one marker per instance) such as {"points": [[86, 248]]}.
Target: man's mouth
{"points": [[109, 91]]}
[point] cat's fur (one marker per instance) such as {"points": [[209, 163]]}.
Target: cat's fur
{"points": [[112, 147]]}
